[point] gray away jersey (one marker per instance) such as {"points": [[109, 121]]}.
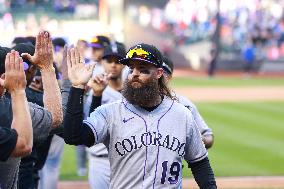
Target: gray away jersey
{"points": [[201, 124], [146, 149], [109, 95]]}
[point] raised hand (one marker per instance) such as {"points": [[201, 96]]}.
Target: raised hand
{"points": [[79, 74], [15, 78], [43, 56], [98, 84]]}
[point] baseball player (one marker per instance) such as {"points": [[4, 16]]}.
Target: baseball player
{"points": [[106, 89], [206, 132], [147, 133]]}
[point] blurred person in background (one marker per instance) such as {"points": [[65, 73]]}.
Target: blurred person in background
{"points": [[106, 89], [82, 46], [58, 47], [206, 132], [98, 45], [249, 58]]}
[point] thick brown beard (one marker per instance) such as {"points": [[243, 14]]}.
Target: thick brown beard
{"points": [[144, 96]]}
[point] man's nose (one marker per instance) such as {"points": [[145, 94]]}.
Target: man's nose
{"points": [[135, 72]]}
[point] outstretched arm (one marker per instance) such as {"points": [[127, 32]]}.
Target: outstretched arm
{"points": [[43, 58], [75, 132], [15, 83]]}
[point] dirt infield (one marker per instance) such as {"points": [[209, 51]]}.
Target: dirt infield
{"points": [[222, 182]]}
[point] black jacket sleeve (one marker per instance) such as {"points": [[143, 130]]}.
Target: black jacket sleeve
{"points": [[203, 174], [75, 132], [8, 141], [96, 102]]}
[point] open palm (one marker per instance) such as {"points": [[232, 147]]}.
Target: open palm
{"points": [[78, 72]]}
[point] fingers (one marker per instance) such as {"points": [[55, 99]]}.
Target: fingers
{"points": [[96, 79], [7, 62], [27, 56], [2, 81], [82, 58], [91, 67], [49, 45], [72, 57], [69, 63], [77, 56], [12, 59], [65, 51], [37, 45], [39, 42], [46, 42], [17, 61], [21, 64]]}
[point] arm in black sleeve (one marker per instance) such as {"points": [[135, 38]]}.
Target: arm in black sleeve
{"points": [[75, 132], [96, 102], [203, 174]]}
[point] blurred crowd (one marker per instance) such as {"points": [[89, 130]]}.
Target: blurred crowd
{"points": [[257, 24]]}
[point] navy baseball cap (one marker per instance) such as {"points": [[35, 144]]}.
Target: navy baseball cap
{"points": [[168, 65], [117, 49], [3, 53], [144, 53], [25, 48], [99, 42]]}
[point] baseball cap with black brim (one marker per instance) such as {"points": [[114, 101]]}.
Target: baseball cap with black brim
{"points": [[143, 53], [99, 42], [115, 50], [168, 65]]}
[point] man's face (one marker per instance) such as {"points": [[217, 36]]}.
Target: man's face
{"points": [[140, 73], [97, 54], [36, 84], [112, 66], [58, 56], [141, 87]]}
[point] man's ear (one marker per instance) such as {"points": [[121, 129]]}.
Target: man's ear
{"points": [[160, 72]]}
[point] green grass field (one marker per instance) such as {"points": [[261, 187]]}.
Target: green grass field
{"points": [[225, 82], [248, 140]]}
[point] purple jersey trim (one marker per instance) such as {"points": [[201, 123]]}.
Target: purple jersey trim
{"points": [[145, 162], [158, 145]]}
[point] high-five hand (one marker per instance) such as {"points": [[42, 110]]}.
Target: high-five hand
{"points": [[43, 56], [15, 78], [78, 72]]}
